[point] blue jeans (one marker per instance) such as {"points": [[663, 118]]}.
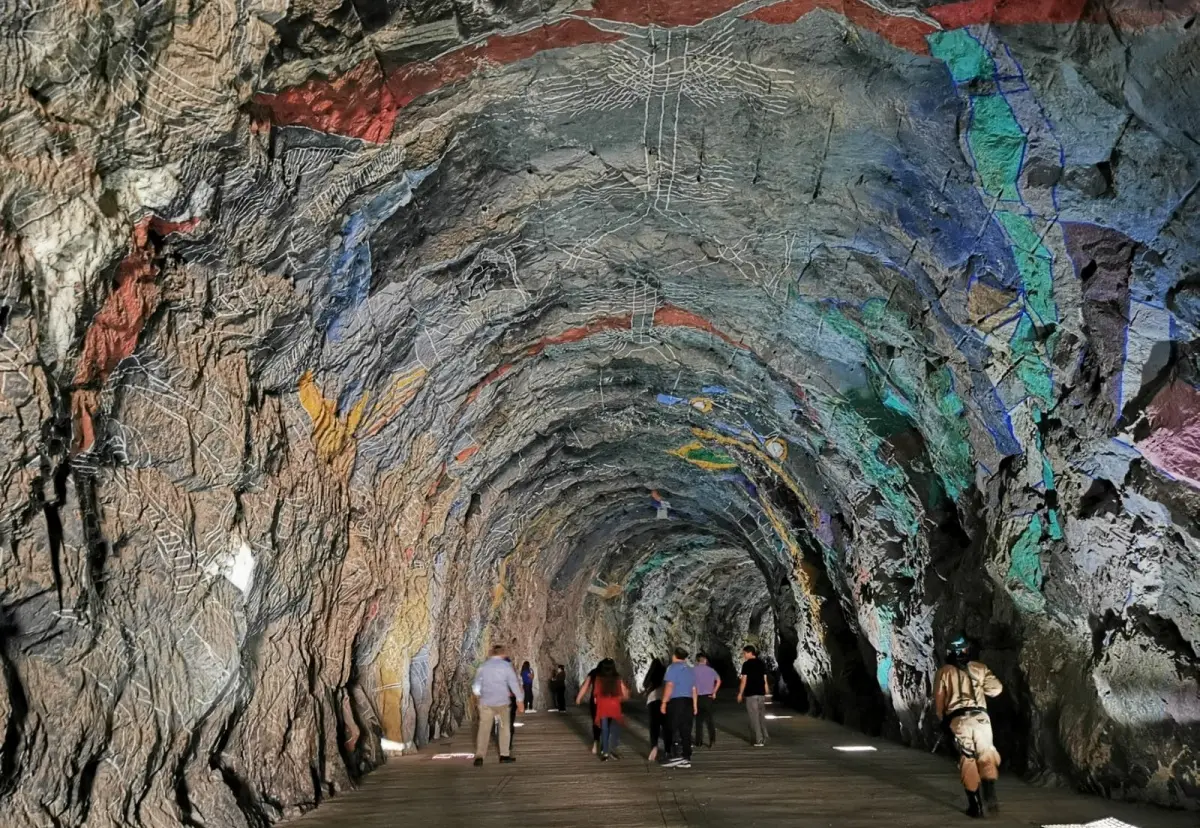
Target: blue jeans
{"points": [[610, 734]]}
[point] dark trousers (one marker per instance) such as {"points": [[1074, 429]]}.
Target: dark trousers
{"points": [[559, 691], [592, 716], [679, 727], [657, 722], [528, 696], [705, 714], [512, 712]]}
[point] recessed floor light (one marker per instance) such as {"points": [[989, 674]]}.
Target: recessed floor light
{"points": [[773, 716], [454, 756], [518, 724], [1107, 822], [854, 748]]}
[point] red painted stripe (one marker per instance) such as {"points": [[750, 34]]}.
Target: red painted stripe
{"points": [[1007, 12], [363, 103], [659, 12], [902, 31], [668, 316], [608, 323], [113, 332], [357, 104]]}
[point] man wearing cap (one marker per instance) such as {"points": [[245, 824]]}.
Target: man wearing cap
{"points": [[961, 690]]}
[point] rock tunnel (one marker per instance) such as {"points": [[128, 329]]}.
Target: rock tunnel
{"points": [[342, 339]]}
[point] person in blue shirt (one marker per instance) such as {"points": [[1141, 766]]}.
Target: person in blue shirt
{"points": [[679, 705], [495, 683], [527, 683]]}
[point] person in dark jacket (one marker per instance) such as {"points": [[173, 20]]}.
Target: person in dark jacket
{"points": [[527, 683], [558, 688], [652, 687], [587, 691]]}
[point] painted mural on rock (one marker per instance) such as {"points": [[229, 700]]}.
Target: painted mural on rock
{"points": [[354, 345]]}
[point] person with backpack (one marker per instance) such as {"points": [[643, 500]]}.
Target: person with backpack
{"points": [[609, 691], [961, 690]]}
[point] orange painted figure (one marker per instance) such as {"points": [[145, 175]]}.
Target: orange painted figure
{"points": [[961, 690]]}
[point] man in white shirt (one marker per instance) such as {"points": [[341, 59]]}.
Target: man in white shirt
{"points": [[495, 683]]}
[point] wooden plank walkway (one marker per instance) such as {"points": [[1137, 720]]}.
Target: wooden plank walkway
{"points": [[797, 780]]}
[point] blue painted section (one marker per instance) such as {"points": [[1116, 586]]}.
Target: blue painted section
{"points": [[667, 399], [352, 271], [714, 390]]}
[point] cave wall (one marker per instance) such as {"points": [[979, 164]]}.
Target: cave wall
{"points": [[340, 340]]}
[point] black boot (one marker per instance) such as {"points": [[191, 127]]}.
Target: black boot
{"points": [[974, 804], [989, 796]]}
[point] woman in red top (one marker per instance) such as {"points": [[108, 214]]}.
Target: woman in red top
{"points": [[609, 691]]}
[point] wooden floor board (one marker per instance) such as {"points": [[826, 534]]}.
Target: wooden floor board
{"points": [[797, 780]]}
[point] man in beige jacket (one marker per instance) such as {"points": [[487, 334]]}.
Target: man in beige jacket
{"points": [[961, 690]]}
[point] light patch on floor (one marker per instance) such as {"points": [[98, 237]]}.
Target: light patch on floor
{"points": [[1107, 822], [854, 748]]}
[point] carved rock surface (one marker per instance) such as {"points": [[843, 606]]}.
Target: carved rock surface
{"points": [[341, 340]]}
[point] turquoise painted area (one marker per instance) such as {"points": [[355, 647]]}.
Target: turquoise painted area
{"points": [[1034, 262], [851, 433], [950, 445], [1047, 474], [963, 55], [1033, 371], [929, 402], [1056, 531], [997, 144], [897, 403], [655, 561], [1026, 564], [886, 620]]}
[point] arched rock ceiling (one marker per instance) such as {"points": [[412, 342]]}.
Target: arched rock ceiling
{"points": [[342, 339]]}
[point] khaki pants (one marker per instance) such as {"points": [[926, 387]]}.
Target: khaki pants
{"points": [[486, 716], [756, 707], [977, 756]]}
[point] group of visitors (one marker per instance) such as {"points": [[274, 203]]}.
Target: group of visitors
{"points": [[678, 697]]}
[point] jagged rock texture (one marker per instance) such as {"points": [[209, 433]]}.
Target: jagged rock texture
{"points": [[340, 340]]}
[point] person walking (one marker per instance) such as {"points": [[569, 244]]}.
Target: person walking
{"points": [[558, 688], [708, 682], [679, 706], [652, 687], [961, 690], [527, 683], [512, 712], [495, 683], [753, 688], [588, 690], [609, 691]]}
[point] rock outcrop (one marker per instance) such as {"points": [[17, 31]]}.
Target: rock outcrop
{"points": [[340, 340]]}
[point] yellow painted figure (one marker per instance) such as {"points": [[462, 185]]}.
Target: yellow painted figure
{"points": [[961, 690]]}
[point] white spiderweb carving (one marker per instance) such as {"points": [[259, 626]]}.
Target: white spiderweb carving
{"points": [[664, 74]]}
